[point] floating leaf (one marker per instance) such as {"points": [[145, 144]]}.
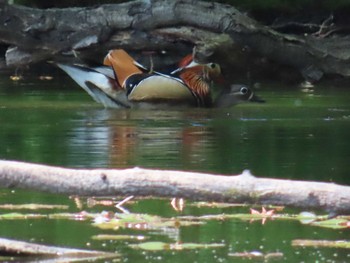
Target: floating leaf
{"points": [[118, 237], [137, 218], [32, 206], [130, 221], [216, 205], [142, 221], [239, 216], [155, 245], [152, 246], [195, 245], [257, 255], [16, 216], [227, 205], [307, 217], [334, 223], [321, 243], [75, 216]]}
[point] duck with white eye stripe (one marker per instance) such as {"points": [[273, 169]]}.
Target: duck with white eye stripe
{"points": [[237, 93]]}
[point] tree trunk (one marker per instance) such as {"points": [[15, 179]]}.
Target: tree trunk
{"points": [[243, 188], [33, 35]]}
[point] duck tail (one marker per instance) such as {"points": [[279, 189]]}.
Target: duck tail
{"points": [[123, 65], [96, 82]]}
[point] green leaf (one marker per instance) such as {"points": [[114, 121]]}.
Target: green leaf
{"points": [[156, 245], [32, 206], [321, 243], [152, 246], [143, 221], [335, 223], [118, 237], [12, 216]]}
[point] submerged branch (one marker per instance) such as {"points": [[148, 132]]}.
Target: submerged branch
{"points": [[16, 249], [243, 188]]}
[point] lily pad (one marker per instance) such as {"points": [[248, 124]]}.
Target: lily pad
{"points": [[257, 255], [118, 237], [307, 217], [156, 245], [321, 243], [75, 216], [334, 223], [216, 205], [142, 222], [32, 206], [19, 216]]}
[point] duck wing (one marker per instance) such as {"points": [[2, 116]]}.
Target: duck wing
{"points": [[159, 88], [107, 100], [99, 83], [123, 65]]}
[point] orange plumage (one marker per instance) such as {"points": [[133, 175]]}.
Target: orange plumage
{"points": [[187, 60], [123, 65], [194, 79], [198, 79], [124, 83]]}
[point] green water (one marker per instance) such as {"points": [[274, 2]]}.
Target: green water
{"points": [[296, 134]]}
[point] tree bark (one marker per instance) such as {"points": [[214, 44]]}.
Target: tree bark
{"points": [[20, 249], [243, 188], [33, 35]]}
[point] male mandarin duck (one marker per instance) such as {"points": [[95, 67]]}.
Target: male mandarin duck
{"points": [[198, 78], [123, 83], [189, 85]]}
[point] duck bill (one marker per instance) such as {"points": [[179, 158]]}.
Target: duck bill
{"points": [[255, 98]]}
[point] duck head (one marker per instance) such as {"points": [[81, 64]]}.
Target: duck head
{"points": [[214, 73], [209, 71], [237, 93], [198, 78]]}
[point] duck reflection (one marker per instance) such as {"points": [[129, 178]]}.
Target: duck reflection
{"points": [[123, 144], [157, 139]]}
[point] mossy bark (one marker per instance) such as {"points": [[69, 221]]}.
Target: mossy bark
{"points": [[219, 32]]}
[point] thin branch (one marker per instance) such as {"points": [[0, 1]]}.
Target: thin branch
{"points": [[121, 203]]}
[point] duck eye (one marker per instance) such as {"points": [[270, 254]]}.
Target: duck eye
{"points": [[244, 90], [212, 65]]}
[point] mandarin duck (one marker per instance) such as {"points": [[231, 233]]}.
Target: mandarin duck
{"points": [[237, 93], [199, 77], [124, 83]]}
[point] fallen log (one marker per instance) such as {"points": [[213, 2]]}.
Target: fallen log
{"points": [[243, 188], [31, 35]]}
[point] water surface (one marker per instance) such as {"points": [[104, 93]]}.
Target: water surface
{"points": [[297, 134]]}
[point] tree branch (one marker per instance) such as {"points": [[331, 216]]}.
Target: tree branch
{"points": [[22, 249], [243, 188]]}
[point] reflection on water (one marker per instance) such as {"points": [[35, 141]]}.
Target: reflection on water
{"points": [[296, 134], [124, 138], [293, 135]]}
